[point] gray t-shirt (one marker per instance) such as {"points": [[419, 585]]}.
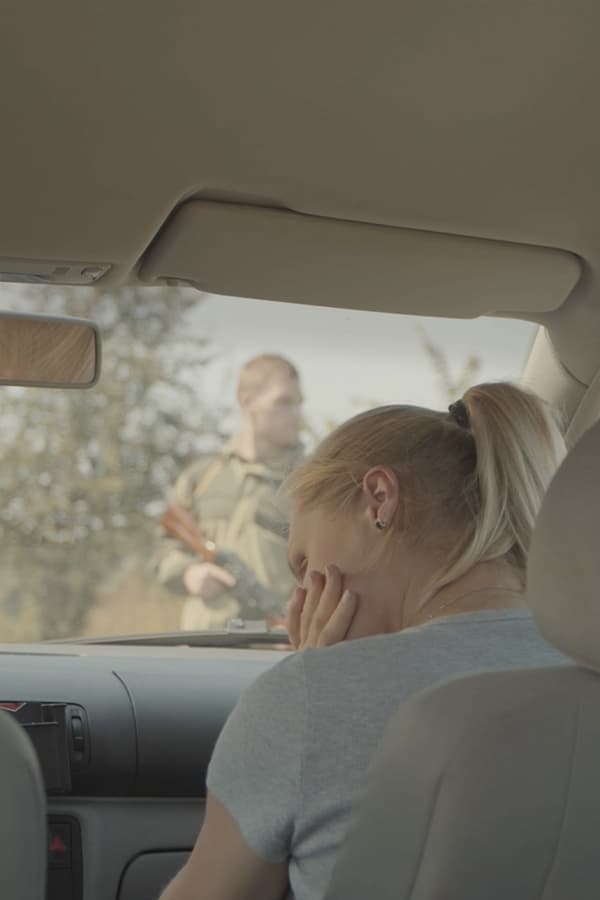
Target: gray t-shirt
{"points": [[294, 752]]}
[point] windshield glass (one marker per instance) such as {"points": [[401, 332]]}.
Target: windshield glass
{"points": [[152, 502]]}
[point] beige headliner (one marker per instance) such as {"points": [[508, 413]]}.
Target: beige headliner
{"points": [[468, 118], [281, 255]]}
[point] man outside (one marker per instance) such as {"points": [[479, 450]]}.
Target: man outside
{"points": [[234, 497]]}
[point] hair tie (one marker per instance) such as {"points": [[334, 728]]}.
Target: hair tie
{"points": [[458, 412]]}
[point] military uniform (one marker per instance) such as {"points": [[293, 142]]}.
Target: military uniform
{"points": [[239, 506]]}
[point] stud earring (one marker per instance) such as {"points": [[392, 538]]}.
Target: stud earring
{"points": [[379, 523]]}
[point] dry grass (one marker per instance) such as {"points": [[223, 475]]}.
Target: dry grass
{"points": [[22, 627], [127, 603], [131, 603]]}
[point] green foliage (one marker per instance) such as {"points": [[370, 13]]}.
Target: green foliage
{"points": [[82, 473]]}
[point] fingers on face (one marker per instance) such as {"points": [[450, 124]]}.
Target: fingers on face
{"points": [[332, 587], [321, 614], [339, 622], [314, 590], [294, 615]]}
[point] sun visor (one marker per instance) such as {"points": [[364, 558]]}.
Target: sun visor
{"points": [[275, 254]]}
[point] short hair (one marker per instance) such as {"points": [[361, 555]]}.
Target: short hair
{"points": [[259, 371]]}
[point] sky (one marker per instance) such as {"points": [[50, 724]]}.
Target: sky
{"points": [[350, 359]]}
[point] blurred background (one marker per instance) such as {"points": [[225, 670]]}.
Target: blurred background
{"points": [[84, 474]]}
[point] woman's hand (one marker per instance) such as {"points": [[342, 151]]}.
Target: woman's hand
{"points": [[321, 614]]}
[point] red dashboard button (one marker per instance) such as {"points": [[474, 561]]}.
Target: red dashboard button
{"points": [[59, 845]]}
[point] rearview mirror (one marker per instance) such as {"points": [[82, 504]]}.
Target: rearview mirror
{"points": [[48, 351]]}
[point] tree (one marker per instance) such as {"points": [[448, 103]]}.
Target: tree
{"points": [[451, 386], [83, 473]]}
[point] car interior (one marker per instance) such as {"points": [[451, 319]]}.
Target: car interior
{"points": [[485, 786], [432, 160]]}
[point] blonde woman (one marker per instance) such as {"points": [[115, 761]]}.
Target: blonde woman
{"points": [[420, 523]]}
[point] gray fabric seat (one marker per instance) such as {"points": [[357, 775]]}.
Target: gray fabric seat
{"points": [[488, 787], [23, 849]]}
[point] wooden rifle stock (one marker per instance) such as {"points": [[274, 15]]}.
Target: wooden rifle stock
{"points": [[180, 524], [254, 597]]}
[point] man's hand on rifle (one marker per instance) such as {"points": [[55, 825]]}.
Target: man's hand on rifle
{"points": [[207, 580]]}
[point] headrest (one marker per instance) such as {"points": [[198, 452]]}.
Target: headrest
{"points": [[23, 839], [563, 575]]}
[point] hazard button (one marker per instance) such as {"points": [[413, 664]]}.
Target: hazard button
{"points": [[59, 845]]}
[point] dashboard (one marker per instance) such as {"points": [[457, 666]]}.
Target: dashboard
{"points": [[124, 736]]}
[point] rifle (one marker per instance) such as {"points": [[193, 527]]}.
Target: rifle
{"points": [[252, 595]]}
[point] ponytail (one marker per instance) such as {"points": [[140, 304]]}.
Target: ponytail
{"points": [[472, 480], [518, 447]]}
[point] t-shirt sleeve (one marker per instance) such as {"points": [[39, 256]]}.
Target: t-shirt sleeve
{"points": [[256, 768]]}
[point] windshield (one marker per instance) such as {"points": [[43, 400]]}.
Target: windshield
{"points": [[152, 502]]}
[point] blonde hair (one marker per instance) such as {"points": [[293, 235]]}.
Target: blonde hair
{"points": [[471, 491], [259, 371]]}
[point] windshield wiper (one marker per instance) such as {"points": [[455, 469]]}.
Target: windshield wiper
{"points": [[235, 637]]}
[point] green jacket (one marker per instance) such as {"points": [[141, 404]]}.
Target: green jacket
{"points": [[240, 507]]}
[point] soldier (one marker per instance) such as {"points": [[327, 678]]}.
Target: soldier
{"points": [[234, 497]]}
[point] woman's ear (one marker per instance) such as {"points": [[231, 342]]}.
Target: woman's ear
{"points": [[381, 492]]}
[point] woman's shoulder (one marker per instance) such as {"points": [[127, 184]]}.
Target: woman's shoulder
{"points": [[428, 647], [286, 688], [277, 684], [438, 649]]}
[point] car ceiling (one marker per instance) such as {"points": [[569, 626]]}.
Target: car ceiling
{"points": [[467, 118]]}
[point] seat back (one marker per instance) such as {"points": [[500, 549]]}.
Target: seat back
{"points": [[23, 830], [489, 786]]}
